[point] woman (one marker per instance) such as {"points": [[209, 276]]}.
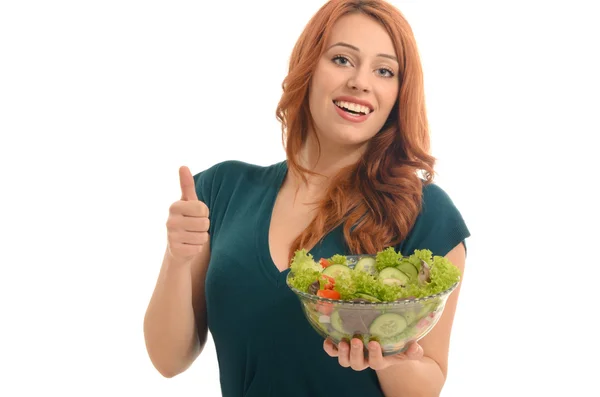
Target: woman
{"points": [[357, 179]]}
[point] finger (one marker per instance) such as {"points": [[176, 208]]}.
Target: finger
{"points": [[185, 250], [188, 187], [414, 351], [330, 348], [188, 224], [188, 238], [344, 354], [376, 359], [190, 208], [357, 355]]}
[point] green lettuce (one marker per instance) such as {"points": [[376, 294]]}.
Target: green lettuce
{"points": [[303, 278], [417, 256], [305, 270], [338, 259], [349, 285], [387, 258], [303, 260], [443, 274]]}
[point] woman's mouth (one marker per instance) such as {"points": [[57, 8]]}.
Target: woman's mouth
{"points": [[352, 108], [352, 111]]}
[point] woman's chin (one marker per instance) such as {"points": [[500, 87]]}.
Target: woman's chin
{"points": [[348, 140]]}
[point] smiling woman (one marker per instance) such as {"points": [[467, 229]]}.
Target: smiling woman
{"points": [[357, 178], [361, 84]]}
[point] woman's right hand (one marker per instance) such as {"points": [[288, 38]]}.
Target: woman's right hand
{"points": [[187, 225]]}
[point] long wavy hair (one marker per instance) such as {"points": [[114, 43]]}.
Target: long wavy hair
{"points": [[378, 198]]}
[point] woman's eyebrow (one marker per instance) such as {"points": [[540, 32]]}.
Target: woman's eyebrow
{"points": [[342, 44]]}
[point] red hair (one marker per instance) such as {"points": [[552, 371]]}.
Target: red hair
{"points": [[378, 198]]}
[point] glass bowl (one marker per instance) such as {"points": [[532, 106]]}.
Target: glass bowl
{"points": [[393, 324]]}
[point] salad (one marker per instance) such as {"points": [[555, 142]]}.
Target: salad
{"points": [[385, 277], [388, 276]]}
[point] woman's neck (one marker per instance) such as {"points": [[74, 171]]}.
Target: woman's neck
{"points": [[327, 164]]}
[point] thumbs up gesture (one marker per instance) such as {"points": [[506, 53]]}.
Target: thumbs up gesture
{"points": [[187, 224]]}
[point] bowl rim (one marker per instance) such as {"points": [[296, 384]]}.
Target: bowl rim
{"points": [[404, 301]]}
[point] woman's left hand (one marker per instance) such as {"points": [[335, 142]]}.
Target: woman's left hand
{"points": [[353, 356]]}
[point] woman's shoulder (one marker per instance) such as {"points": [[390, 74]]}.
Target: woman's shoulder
{"points": [[435, 198], [227, 168], [440, 224], [223, 167], [231, 173]]}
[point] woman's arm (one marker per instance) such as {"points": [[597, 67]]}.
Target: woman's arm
{"points": [[426, 376], [175, 326]]}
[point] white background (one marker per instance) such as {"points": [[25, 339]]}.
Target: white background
{"points": [[101, 102]]}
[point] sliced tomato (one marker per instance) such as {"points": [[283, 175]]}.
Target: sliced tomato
{"points": [[328, 278], [327, 307], [329, 281], [324, 262], [328, 293]]}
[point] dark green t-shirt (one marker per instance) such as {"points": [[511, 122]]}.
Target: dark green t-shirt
{"points": [[264, 344]]}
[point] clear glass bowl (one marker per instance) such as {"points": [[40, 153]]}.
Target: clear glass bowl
{"points": [[393, 324]]}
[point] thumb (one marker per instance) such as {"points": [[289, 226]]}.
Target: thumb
{"points": [[186, 181], [414, 352]]}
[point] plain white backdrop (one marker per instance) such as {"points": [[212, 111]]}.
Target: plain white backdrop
{"points": [[101, 102]]}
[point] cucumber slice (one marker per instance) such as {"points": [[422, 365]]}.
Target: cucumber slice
{"points": [[408, 269], [367, 297], [367, 265], [390, 273], [394, 281], [397, 343], [352, 321], [410, 316], [430, 307], [335, 270], [395, 339], [336, 322], [388, 325], [335, 335]]}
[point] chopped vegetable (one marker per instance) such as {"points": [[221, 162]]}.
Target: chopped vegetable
{"points": [[387, 258], [303, 260], [326, 282], [328, 293], [338, 259], [324, 262], [418, 275]]}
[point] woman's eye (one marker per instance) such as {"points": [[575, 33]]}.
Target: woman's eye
{"points": [[343, 61], [385, 72], [340, 60]]}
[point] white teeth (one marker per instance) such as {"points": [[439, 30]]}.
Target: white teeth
{"points": [[353, 106]]}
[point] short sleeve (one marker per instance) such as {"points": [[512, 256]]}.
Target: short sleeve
{"points": [[439, 226], [207, 187], [202, 186]]}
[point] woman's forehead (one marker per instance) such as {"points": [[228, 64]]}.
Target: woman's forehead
{"points": [[361, 33]]}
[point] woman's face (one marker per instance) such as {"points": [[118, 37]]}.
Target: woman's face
{"points": [[355, 84]]}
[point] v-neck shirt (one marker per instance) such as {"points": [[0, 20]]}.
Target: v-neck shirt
{"points": [[264, 344]]}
